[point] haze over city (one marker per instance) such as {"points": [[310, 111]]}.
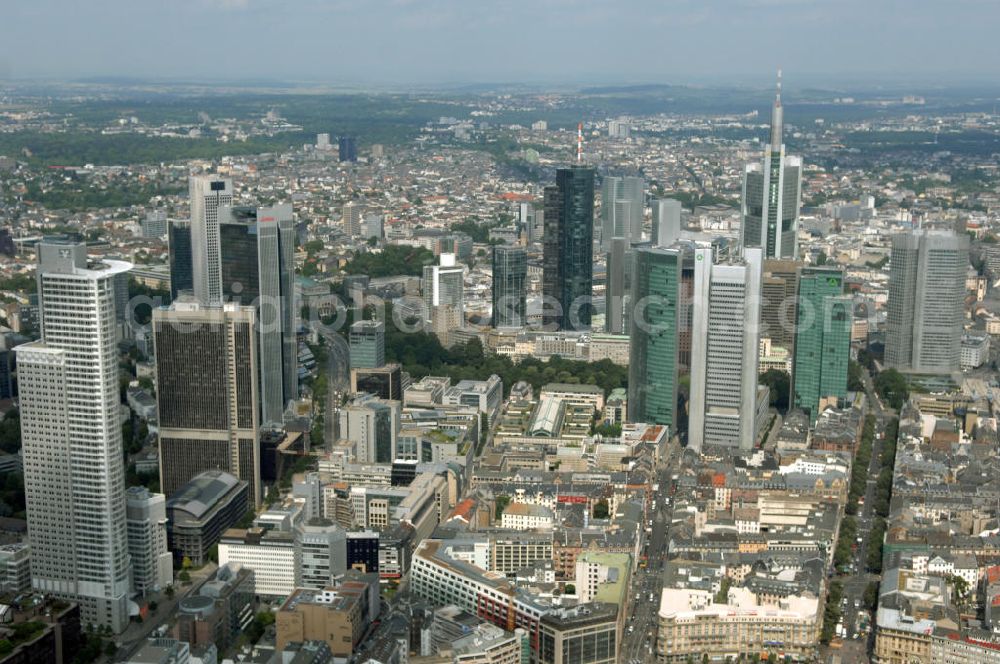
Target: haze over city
{"points": [[407, 43]]}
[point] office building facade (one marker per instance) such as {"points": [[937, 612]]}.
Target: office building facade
{"points": [[666, 222], [258, 270], [510, 286], [616, 293], [772, 192], [568, 249], [367, 342], [779, 301], [822, 339], [180, 259], [146, 521], [74, 477], [661, 291], [622, 203], [207, 393], [207, 194], [724, 351], [926, 302], [348, 148], [444, 286]]}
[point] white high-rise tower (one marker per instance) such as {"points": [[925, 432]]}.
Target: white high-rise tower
{"points": [[74, 477], [724, 351], [208, 193]]}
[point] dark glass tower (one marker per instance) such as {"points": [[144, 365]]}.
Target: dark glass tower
{"points": [[258, 269], [181, 267], [510, 286], [348, 148], [568, 249]]}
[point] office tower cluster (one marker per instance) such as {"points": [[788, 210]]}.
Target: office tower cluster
{"points": [[225, 366], [243, 255]]}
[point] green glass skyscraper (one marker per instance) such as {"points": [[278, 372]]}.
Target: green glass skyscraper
{"points": [[822, 339], [510, 286], [661, 295], [568, 249]]}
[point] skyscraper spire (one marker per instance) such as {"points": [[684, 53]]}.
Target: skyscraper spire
{"points": [[777, 117]]}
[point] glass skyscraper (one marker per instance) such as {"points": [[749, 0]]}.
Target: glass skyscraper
{"points": [[822, 339], [772, 191], [510, 286], [179, 243], [568, 249], [258, 269], [661, 291]]}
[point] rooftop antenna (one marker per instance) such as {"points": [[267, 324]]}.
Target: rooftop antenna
{"points": [[579, 142], [777, 117]]}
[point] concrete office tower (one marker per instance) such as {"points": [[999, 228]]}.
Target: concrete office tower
{"points": [[926, 296], [666, 222], [258, 270], [372, 424], [616, 295], [351, 215], [74, 477], [207, 193], [181, 261], [779, 301], [320, 554], [568, 249], [661, 291], [444, 286], [724, 351], [510, 286], [367, 342], [155, 224], [622, 203], [207, 393], [146, 521], [772, 192], [822, 340]]}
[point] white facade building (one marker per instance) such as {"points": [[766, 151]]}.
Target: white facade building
{"points": [[208, 193], [146, 521], [725, 350], [72, 443]]}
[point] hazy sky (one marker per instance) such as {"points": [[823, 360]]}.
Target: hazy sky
{"points": [[443, 41]]}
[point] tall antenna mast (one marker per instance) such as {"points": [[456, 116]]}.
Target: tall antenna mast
{"points": [[579, 142]]}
